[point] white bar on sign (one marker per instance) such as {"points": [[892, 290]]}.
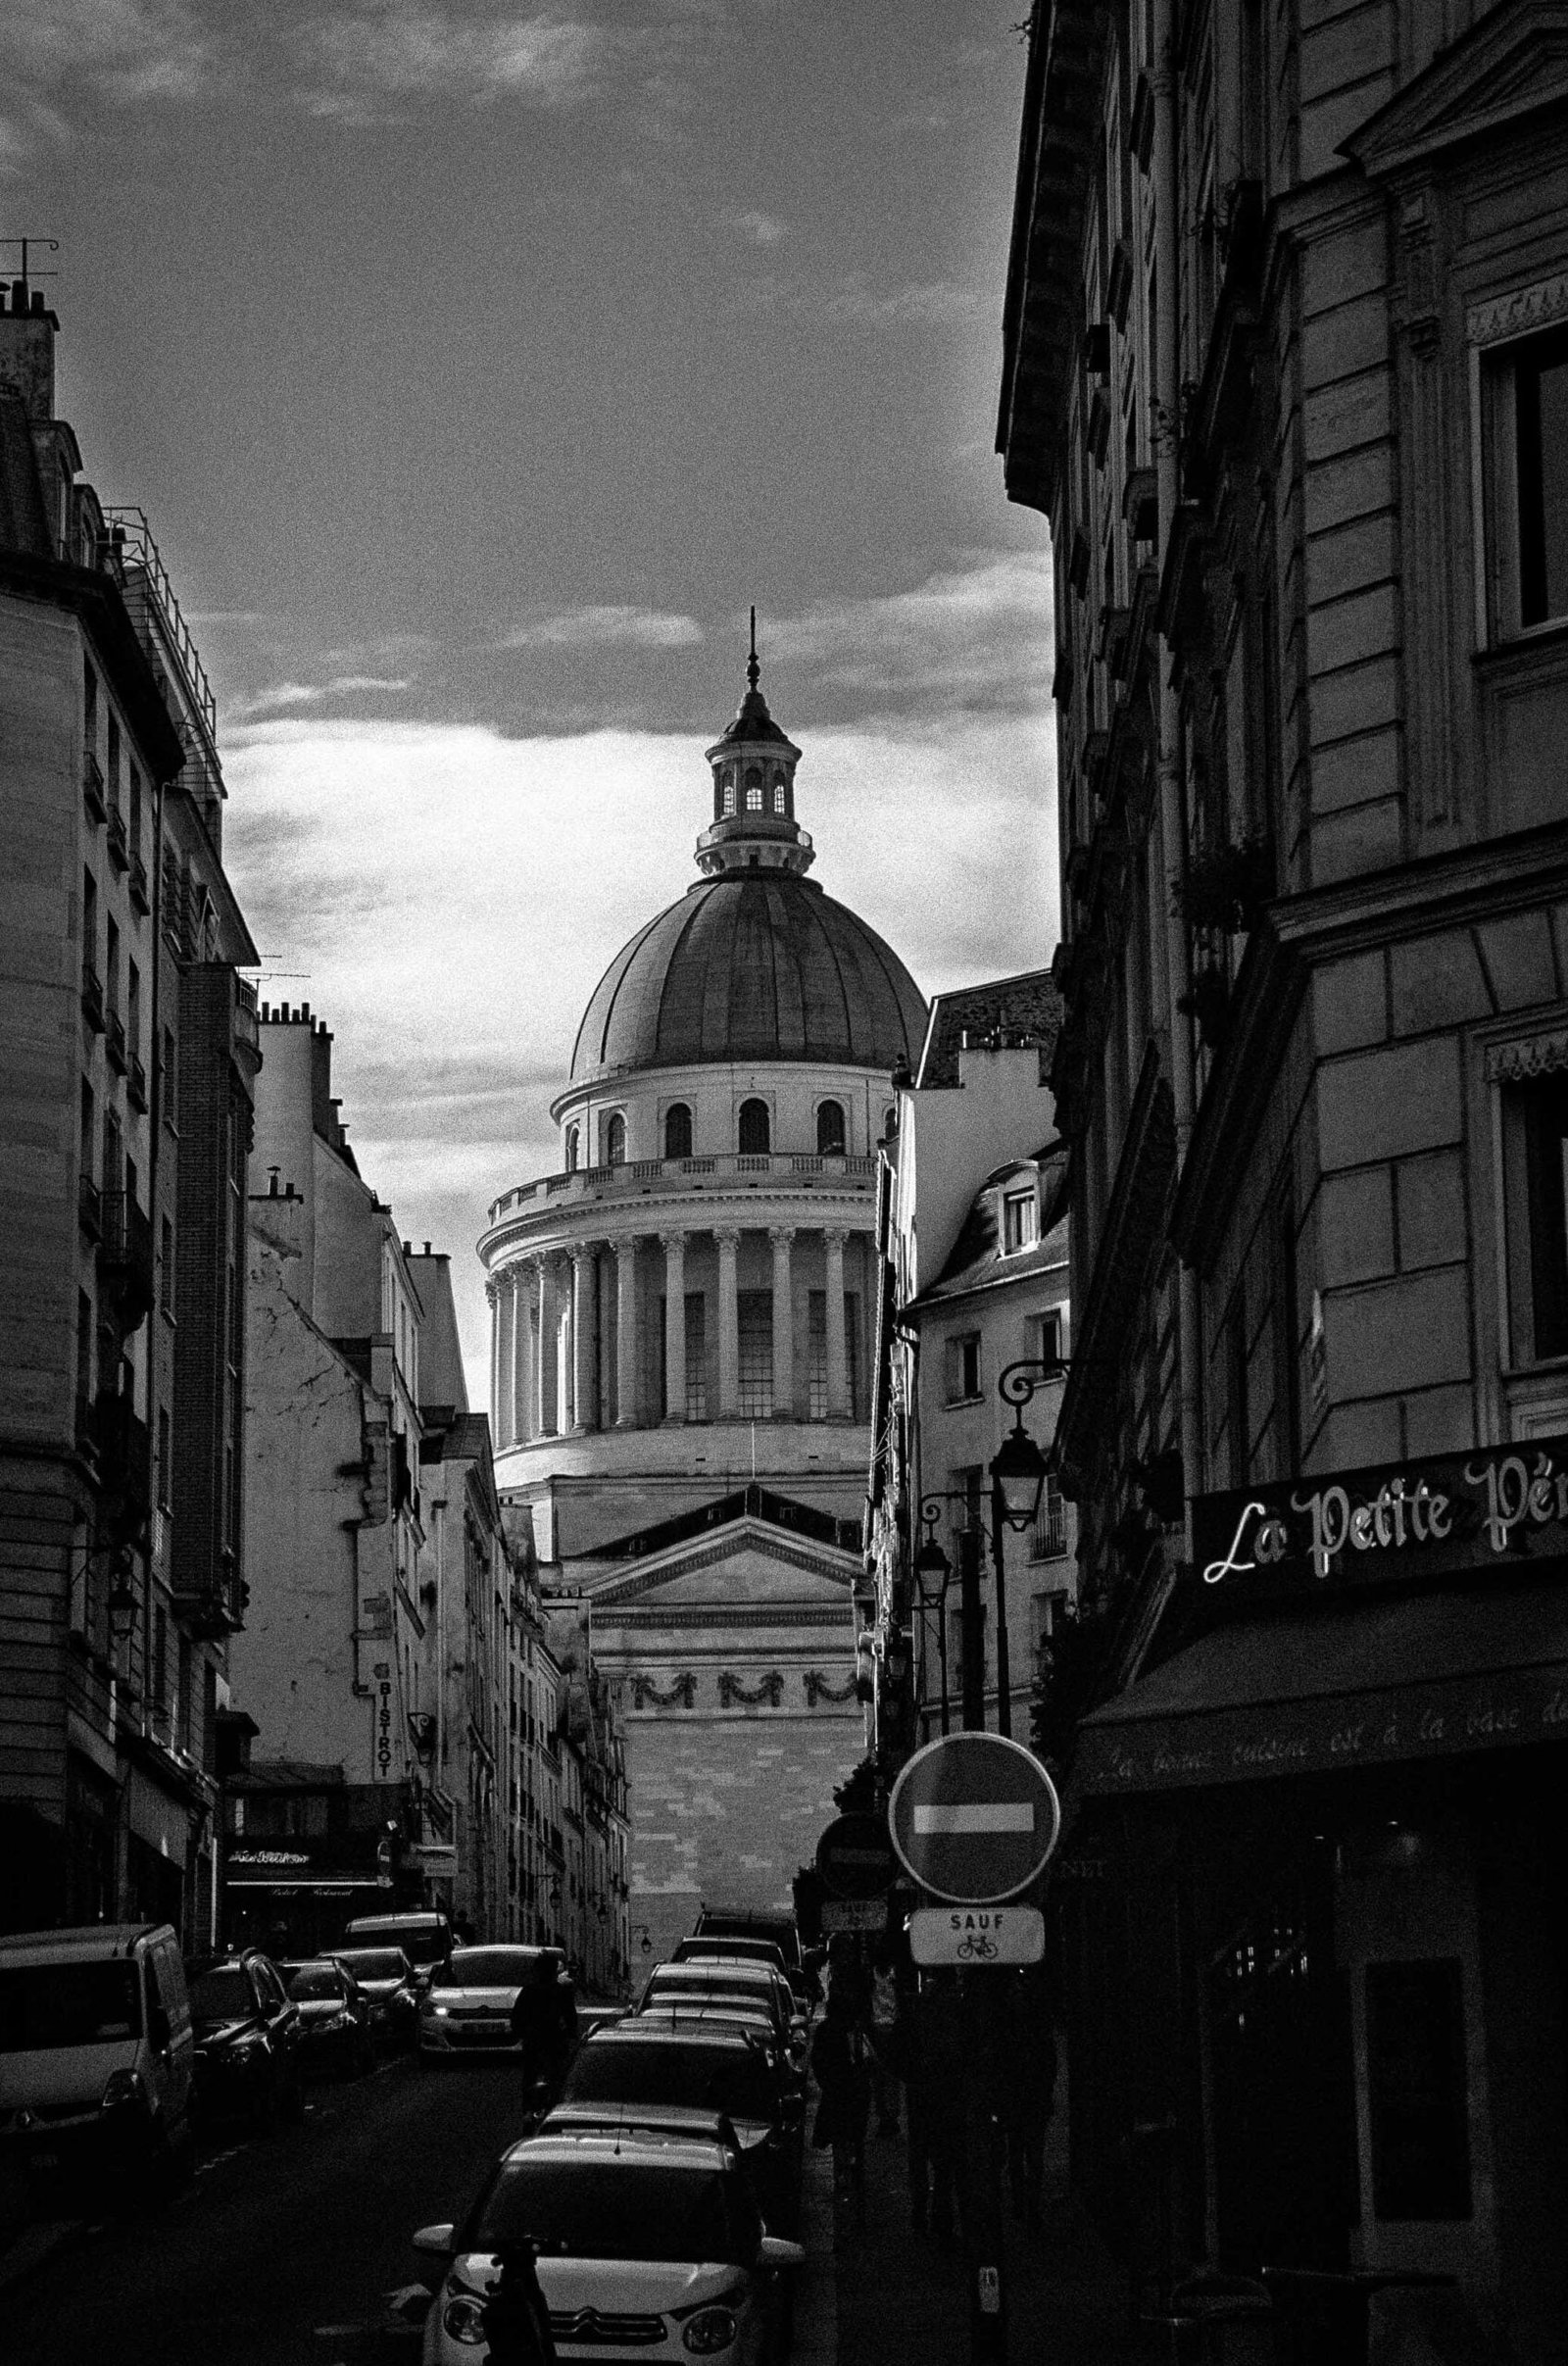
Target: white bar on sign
{"points": [[988, 1815]]}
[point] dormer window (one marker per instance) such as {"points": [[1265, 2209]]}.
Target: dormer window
{"points": [[1020, 1224]]}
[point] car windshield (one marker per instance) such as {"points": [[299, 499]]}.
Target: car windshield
{"points": [[376, 1963], [702, 2078], [703, 1980], [222, 1997], [620, 2209], [68, 2004], [489, 1967], [314, 1981]]}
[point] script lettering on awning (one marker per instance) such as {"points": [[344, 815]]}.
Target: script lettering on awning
{"points": [[1448, 1512]]}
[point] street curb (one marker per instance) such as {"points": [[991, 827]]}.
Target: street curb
{"points": [[36, 2245]]}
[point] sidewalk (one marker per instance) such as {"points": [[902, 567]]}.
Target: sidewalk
{"points": [[900, 2303]]}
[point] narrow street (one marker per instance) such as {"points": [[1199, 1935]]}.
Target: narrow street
{"points": [[275, 2237]]}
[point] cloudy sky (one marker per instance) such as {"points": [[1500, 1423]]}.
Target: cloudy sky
{"points": [[477, 369]]}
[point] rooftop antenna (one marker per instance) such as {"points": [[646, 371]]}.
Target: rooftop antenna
{"points": [[26, 244], [752, 668]]}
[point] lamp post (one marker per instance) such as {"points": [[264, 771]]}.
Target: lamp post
{"points": [[933, 1574], [1018, 1481]]}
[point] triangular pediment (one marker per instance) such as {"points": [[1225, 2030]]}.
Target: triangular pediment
{"points": [[1511, 65], [744, 1564]]}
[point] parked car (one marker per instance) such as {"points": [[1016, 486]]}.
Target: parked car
{"points": [[755, 1983], [696, 2013], [248, 2038], [387, 1982], [334, 2019], [424, 1935], [468, 2006], [96, 2056], [648, 2241], [707, 1947], [652, 2065], [758, 1922]]}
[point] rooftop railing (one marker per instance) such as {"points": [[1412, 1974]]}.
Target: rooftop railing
{"points": [[633, 1174], [138, 554]]}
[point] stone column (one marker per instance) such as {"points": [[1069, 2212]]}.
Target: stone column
{"points": [[782, 1236], [728, 1240], [549, 1358], [626, 1332], [492, 1290], [838, 1368], [505, 1409], [584, 1329], [521, 1354], [675, 1247]]}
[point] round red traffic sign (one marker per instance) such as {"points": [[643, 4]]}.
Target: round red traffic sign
{"points": [[853, 1859], [974, 1818]]}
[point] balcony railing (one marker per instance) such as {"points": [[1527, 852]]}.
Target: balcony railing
{"points": [[138, 554], [92, 787], [119, 839], [635, 1175], [115, 1046], [92, 999], [125, 1257]]}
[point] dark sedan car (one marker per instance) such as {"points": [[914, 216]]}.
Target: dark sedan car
{"points": [[334, 2019], [247, 2041], [389, 1985]]}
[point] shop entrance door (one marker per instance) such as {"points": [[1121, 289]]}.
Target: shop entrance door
{"points": [[1281, 2093]]}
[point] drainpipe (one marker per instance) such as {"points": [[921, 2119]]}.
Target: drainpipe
{"points": [[1172, 826]]}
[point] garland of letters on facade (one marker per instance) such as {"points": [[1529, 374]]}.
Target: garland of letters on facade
{"points": [[680, 1694], [818, 1689], [767, 1691]]}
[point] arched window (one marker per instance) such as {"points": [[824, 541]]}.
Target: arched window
{"points": [[754, 1130], [573, 1147], [778, 796], [890, 1122], [754, 788], [830, 1129], [615, 1140], [677, 1131], [729, 792]]}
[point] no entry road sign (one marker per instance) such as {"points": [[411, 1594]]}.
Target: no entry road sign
{"points": [[974, 1818], [853, 1859]]}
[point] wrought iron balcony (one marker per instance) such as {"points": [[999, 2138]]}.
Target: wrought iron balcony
{"points": [[125, 1257], [92, 787]]}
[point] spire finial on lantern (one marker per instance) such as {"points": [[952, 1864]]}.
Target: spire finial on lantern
{"points": [[752, 668]]}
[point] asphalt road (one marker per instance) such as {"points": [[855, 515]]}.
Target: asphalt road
{"points": [[275, 2237]]}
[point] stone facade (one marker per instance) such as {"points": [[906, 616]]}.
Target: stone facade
{"points": [[1284, 340]]}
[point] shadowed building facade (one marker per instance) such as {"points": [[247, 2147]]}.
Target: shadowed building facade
{"points": [[683, 1324]]}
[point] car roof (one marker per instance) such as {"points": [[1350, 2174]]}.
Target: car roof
{"points": [[642, 2119], [649, 2033], [101, 1939], [418, 1918], [605, 2146]]}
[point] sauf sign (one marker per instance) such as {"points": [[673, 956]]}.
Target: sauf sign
{"points": [[1453, 1511]]}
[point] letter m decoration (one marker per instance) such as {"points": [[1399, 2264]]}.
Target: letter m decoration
{"points": [[767, 1691]]}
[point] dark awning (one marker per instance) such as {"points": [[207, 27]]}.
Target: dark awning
{"points": [[1358, 1685]]}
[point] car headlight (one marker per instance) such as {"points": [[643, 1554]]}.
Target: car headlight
{"points": [[124, 2088], [712, 2329], [464, 2318]]}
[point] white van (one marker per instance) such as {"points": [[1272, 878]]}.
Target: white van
{"points": [[96, 2052]]}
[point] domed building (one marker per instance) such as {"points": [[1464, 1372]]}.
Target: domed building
{"points": [[683, 1338]]}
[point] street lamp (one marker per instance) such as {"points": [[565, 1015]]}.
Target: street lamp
{"points": [[1018, 1481], [933, 1574], [123, 1606]]}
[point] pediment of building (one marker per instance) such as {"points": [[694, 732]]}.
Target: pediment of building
{"points": [[746, 1565], [1511, 65]]}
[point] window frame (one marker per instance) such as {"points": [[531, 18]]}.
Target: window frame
{"points": [[961, 1364], [1498, 328], [1013, 1199]]}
